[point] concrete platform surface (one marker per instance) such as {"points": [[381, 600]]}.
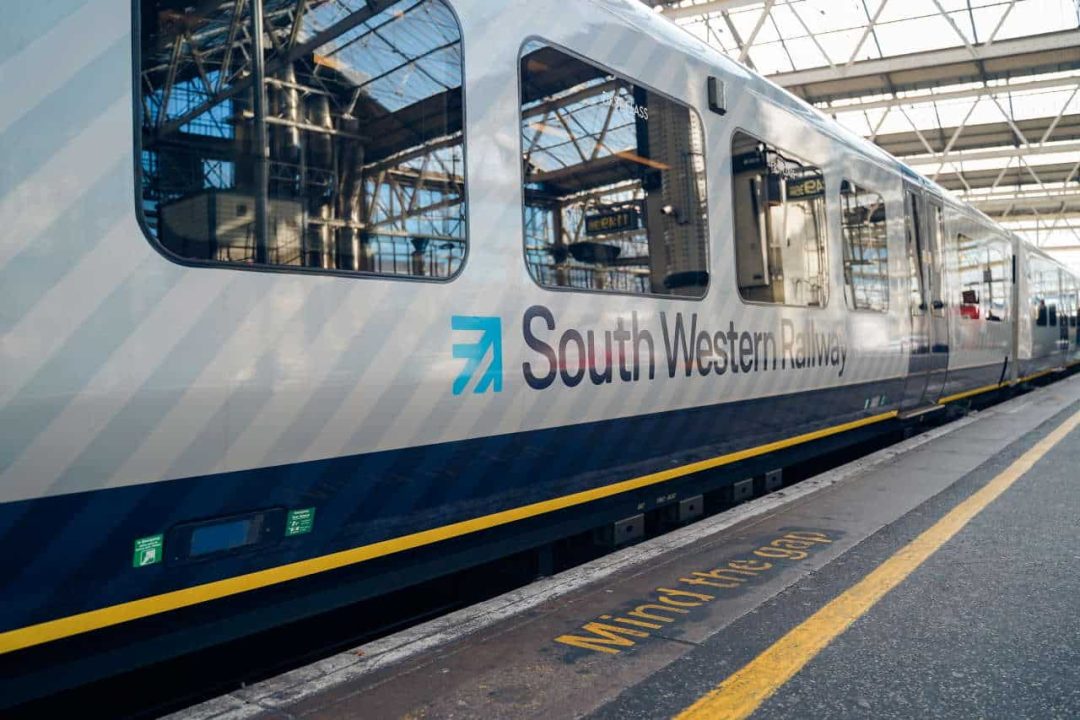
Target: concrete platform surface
{"points": [[987, 626]]}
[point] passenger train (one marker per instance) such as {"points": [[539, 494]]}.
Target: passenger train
{"points": [[301, 303]]}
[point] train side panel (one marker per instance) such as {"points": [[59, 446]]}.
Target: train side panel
{"points": [[149, 398], [146, 398]]}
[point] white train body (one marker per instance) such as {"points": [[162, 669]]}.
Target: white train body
{"points": [[134, 382]]}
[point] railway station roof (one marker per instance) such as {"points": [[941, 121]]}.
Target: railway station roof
{"points": [[981, 95]]}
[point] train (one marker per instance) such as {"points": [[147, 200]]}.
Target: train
{"points": [[302, 303]]}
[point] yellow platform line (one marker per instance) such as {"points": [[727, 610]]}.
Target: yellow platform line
{"points": [[50, 630], [743, 692]]}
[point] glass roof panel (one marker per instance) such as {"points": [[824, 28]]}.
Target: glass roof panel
{"points": [[903, 26], [840, 27], [770, 59]]}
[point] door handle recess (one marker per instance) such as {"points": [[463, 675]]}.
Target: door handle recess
{"points": [[939, 305]]}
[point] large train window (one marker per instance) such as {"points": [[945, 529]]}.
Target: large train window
{"points": [[614, 181], [780, 225], [984, 276], [322, 136], [866, 248]]}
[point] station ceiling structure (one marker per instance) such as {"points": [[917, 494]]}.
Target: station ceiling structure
{"points": [[981, 95]]}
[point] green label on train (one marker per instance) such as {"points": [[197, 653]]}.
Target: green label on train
{"points": [[299, 522], [148, 551]]}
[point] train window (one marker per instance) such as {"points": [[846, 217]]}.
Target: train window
{"points": [[996, 278], [780, 225], [347, 157], [1043, 284], [984, 276], [936, 238], [614, 181], [1072, 309], [866, 249], [972, 260], [913, 234]]}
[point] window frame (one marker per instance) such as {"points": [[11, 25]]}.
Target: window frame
{"points": [[827, 274], [888, 255], [159, 247], [534, 38]]}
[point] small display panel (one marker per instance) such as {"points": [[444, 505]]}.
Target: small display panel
{"points": [[230, 535], [211, 538]]}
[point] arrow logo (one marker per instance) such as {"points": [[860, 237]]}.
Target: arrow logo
{"points": [[474, 353]]}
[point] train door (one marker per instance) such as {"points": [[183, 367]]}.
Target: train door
{"points": [[929, 330]]}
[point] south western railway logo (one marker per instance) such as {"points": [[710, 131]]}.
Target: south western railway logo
{"points": [[678, 345]]}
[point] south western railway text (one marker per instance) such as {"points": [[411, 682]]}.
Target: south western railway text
{"points": [[628, 351]]}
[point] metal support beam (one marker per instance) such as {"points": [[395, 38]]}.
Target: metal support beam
{"points": [[866, 33], [1065, 83], [757, 29], [1004, 17], [958, 156], [262, 138], [1000, 204], [813, 37], [1060, 43], [374, 7]]}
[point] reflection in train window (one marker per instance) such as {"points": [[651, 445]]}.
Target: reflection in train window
{"points": [[996, 277], [866, 249], [1064, 307], [1044, 291], [1071, 298], [913, 237], [984, 270], [349, 157], [780, 225], [614, 181]]}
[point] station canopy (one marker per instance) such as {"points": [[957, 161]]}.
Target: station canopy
{"points": [[983, 96]]}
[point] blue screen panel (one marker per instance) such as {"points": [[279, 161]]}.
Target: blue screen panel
{"points": [[223, 536]]}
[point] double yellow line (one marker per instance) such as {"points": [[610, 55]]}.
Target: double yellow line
{"points": [[743, 692]]}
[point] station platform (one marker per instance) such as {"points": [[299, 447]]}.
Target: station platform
{"points": [[939, 577]]}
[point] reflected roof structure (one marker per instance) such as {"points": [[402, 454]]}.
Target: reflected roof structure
{"points": [[981, 95], [411, 53]]}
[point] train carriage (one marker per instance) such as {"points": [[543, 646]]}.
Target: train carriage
{"points": [[305, 302]]}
